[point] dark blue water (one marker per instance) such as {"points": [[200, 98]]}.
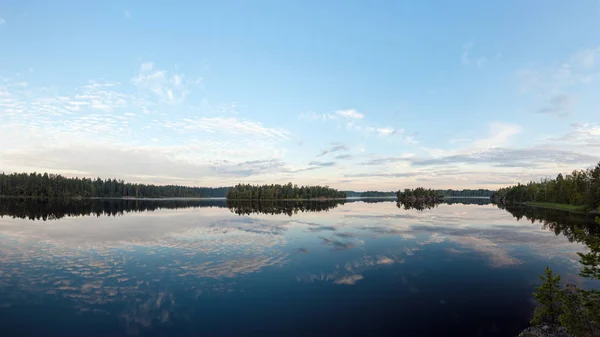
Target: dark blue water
{"points": [[358, 269]]}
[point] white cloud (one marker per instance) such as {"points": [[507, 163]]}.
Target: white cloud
{"points": [[349, 280], [350, 113], [549, 84], [586, 58], [500, 133], [169, 88], [345, 114], [230, 125]]}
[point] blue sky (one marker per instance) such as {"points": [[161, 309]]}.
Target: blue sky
{"points": [[355, 94]]}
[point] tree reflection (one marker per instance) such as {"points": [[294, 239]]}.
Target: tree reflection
{"points": [[43, 209], [247, 207], [421, 206]]}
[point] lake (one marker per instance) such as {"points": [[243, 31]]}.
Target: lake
{"points": [[208, 268]]}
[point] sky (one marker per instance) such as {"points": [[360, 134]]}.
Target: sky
{"points": [[361, 95]]}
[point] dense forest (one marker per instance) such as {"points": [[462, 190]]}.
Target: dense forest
{"points": [[377, 194], [289, 191], [581, 188], [54, 185], [465, 193], [419, 194]]}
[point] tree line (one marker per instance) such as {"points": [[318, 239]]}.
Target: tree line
{"points": [[55, 185], [581, 188], [465, 193], [377, 194], [419, 194], [288, 191]]}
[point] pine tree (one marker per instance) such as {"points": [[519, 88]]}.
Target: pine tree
{"points": [[548, 295]]}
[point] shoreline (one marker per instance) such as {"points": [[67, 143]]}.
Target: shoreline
{"points": [[560, 207]]}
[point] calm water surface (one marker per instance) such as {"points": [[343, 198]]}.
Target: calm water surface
{"points": [[198, 268]]}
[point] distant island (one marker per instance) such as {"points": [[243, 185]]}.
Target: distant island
{"points": [[377, 194], [423, 195], [283, 192]]}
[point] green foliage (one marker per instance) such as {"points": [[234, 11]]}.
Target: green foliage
{"points": [[377, 194], [562, 207], [581, 188], [581, 312], [419, 194], [548, 295], [288, 191], [54, 186], [465, 193]]}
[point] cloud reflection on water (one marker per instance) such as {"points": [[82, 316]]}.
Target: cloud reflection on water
{"points": [[138, 261]]}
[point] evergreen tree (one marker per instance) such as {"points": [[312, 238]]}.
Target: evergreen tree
{"points": [[548, 295]]}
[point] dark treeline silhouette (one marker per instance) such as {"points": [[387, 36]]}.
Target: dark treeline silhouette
{"points": [[575, 309], [352, 194], [466, 193], [54, 185], [288, 191], [581, 188], [377, 194], [289, 207], [421, 194], [372, 200], [40, 209], [418, 195]]}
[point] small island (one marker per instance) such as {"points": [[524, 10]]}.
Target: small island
{"points": [[283, 192]]}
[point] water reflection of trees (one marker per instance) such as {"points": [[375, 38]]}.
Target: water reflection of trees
{"points": [[44, 209], [580, 308], [576, 227], [421, 206], [247, 207]]}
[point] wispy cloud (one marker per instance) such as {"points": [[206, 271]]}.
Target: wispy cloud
{"points": [[322, 164], [550, 85], [336, 147], [229, 125], [169, 88], [560, 104], [337, 115], [586, 58], [350, 113], [466, 57]]}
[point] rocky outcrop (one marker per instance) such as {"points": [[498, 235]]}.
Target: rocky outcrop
{"points": [[544, 331]]}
